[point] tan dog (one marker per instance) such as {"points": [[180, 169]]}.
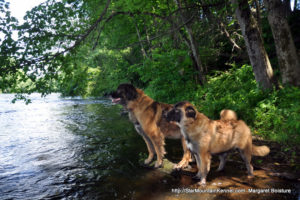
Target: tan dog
{"points": [[148, 118], [205, 137]]}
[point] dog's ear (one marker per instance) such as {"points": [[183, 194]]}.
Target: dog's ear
{"points": [[130, 92], [190, 112]]}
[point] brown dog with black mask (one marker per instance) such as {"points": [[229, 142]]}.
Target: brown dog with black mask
{"points": [[205, 137], [148, 118]]}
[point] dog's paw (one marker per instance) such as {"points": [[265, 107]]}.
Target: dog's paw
{"points": [[202, 182], [177, 167], [148, 161], [158, 165], [251, 176]]}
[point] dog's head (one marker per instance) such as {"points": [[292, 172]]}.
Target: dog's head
{"points": [[124, 93], [182, 112]]}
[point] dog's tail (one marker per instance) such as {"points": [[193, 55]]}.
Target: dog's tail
{"points": [[260, 150], [228, 115]]}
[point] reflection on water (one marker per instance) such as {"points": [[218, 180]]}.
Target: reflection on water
{"points": [[56, 147], [60, 148]]}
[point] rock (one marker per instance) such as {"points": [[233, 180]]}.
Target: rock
{"points": [[166, 168]]}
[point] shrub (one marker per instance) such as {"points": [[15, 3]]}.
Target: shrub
{"points": [[272, 114]]}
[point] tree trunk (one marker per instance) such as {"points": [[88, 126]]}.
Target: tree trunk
{"points": [[258, 17], [287, 7], [285, 47], [192, 45], [259, 59], [196, 55], [140, 39], [215, 20], [295, 5]]}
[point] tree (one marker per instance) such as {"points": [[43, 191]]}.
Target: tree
{"points": [[8, 47], [133, 41], [285, 47], [191, 42], [257, 54]]}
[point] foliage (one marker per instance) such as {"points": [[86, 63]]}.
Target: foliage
{"points": [[234, 89], [8, 47], [52, 38], [166, 74], [278, 115], [274, 115]]}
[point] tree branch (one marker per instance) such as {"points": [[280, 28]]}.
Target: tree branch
{"points": [[86, 34], [160, 35], [81, 38]]}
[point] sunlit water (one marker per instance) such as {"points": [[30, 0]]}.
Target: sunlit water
{"points": [[63, 148], [53, 147]]}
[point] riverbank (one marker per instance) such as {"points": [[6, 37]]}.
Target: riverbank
{"points": [[282, 162], [271, 180], [275, 177]]}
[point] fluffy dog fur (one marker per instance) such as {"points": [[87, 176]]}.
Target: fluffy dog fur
{"points": [[205, 137]]}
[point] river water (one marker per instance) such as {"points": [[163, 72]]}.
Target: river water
{"points": [[73, 148]]}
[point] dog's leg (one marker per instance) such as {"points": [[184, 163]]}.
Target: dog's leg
{"points": [[222, 158], [148, 142], [198, 161], [192, 158], [186, 156], [246, 155], [204, 167], [158, 141], [151, 150], [208, 163]]}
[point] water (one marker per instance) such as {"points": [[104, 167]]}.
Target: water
{"points": [[54, 147], [63, 148]]}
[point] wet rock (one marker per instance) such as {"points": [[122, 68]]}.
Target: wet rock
{"points": [[167, 166]]}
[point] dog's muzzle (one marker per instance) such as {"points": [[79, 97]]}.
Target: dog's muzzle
{"points": [[174, 115], [115, 97]]}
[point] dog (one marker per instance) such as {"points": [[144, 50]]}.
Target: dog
{"points": [[205, 137], [148, 117]]}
